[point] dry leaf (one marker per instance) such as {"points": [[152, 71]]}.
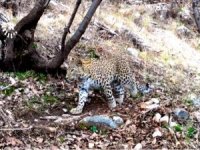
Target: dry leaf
{"points": [[13, 141]]}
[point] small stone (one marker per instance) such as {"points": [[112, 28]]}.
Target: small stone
{"points": [[40, 140], [36, 120], [133, 52], [196, 102], [138, 146], [65, 110], [164, 119], [90, 145], [183, 31], [185, 16], [197, 115], [157, 133], [157, 117], [181, 113], [173, 124], [118, 120]]}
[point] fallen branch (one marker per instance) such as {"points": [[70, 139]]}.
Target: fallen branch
{"points": [[16, 129], [7, 118], [106, 28], [13, 82]]}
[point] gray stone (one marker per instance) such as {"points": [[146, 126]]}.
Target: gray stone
{"points": [[133, 52], [183, 31], [161, 11], [185, 16], [196, 102], [118, 120], [102, 120], [181, 113]]}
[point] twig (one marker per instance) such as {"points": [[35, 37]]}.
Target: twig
{"points": [[16, 129], [7, 118], [67, 28], [50, 117]]}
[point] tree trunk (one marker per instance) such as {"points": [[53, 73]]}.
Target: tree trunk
{"points": [[19, 54], [196, 7]]}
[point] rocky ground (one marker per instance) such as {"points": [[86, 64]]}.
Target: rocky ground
{"points": [[163, 50]]}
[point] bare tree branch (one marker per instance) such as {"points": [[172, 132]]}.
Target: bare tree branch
{"points": [[59, 58], [67, 28], [30, 21]]}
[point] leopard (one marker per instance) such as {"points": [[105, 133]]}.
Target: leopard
{"points": [[112, 75]]}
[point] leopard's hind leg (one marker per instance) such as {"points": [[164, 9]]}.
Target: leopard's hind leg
{"points": [[119, 92]]}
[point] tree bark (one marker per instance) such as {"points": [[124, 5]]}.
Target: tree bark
{"points": [[60, 57], [19, 53], [196, 10]]}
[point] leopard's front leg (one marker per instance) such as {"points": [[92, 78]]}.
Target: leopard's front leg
{"points": [[109, 95], [83, 97]]}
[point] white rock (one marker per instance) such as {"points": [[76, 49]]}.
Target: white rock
{"points": [[164, 119], [157, 117], [133, 52], [64, 109], [173, 124], [138, 146], [90, 145], [197, 115], [157, 133], [118, 120]]}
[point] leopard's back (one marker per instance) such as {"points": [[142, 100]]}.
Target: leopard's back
{"points": [[108, 70], [103, 71]]}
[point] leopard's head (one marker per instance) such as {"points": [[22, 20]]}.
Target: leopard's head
{"points": [[78, 68], [74, 72], [74, 69]]}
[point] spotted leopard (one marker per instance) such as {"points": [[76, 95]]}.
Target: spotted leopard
{"points": [[111, 74]]}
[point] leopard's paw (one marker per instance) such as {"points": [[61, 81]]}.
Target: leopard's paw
{"points": [[76, 111], [112, 105], [120, 100]]}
